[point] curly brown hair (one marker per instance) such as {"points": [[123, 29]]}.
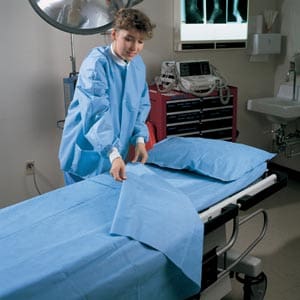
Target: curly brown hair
{"points": [[129, 18]]}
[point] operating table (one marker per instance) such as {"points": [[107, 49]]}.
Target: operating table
{"points": [[96, 239], [221, 260]]}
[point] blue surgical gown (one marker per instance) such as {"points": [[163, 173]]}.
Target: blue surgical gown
{"points": [[109, 109]]}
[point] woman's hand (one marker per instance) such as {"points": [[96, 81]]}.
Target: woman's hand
{"points": [[141, 153], [117, 170]]}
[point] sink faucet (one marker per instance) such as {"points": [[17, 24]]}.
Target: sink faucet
{"points": [[292, 71]]}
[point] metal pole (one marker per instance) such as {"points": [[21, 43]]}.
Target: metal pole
{"points": [[72, 57]]}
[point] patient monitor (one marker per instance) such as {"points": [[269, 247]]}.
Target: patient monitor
{"points": [[197, 77]]}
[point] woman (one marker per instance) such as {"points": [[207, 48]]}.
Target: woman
{"points": [[110, 104]]}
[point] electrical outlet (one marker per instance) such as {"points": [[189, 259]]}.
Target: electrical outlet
{"points": [[29, 167]]}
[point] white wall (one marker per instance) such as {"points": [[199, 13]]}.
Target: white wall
{"points": [[34, 58]]}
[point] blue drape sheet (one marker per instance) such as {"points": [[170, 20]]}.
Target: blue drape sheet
{"points": [[165, 219], [204, 191], [100, 239]]}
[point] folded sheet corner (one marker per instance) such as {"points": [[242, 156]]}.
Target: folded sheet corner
{"points": [[153, 212]]}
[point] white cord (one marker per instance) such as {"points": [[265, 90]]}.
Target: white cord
{"points": [[34, 180], [227, 99], [222, 84]]}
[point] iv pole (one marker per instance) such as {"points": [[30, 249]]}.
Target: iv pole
{"points": [[69, 82], [72, 57]]}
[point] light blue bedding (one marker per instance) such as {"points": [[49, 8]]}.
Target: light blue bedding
{"points": [[219, 159], [100, 239], [96, 239], [205, 191], [152, 211]]}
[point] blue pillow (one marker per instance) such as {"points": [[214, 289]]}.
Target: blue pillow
{"points": [[219, 159]]}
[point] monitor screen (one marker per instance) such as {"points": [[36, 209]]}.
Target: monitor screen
{"points": [[194, 68], [206, 24]]}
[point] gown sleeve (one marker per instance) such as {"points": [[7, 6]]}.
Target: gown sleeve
{"points": [[140, 127], [94, 106]]}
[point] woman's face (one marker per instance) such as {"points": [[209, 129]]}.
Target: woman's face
{"points": [[127, 43]]}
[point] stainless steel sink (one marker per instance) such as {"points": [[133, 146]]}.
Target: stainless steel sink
{"points": [[277, 109]]}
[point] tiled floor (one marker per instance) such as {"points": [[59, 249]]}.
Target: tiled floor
{"points": [[280, 249]]}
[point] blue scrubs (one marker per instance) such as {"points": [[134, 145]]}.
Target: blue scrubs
{"points": [[109, 109]]}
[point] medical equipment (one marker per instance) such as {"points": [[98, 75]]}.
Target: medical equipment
{"points": [[183, 114], [69, 88], [80, 16], [197, 77], [69, 83], [72, 243]]}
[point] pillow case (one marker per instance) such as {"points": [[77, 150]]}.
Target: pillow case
{"points": [[219, 159]]}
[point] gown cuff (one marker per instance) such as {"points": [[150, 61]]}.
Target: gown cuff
{"points": [[140, 140], [114, 153]]}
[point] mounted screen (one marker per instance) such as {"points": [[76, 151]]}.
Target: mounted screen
{"points": [[210, 24]]}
